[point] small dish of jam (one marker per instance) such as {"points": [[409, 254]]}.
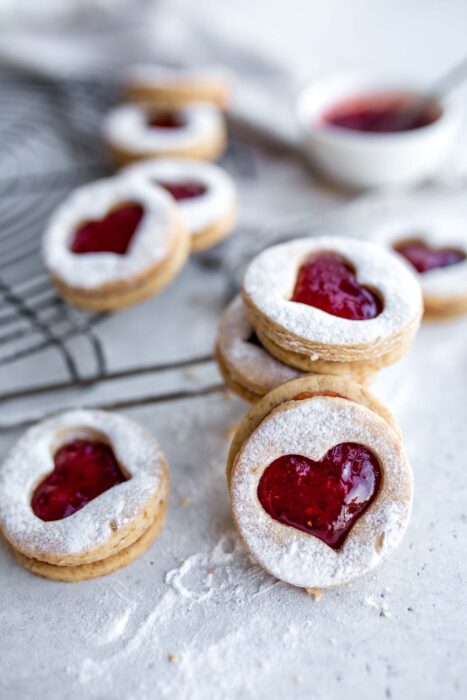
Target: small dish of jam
{"points": [[382, 113], [370, 132]]}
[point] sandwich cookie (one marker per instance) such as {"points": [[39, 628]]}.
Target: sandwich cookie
{"points": [[82, 494], [205, 193], [134, 132], [246, 367], [115, 242], [332, 305], [320, 485]]}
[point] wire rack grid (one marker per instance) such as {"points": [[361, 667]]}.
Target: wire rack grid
{"points": [[49, 144]]}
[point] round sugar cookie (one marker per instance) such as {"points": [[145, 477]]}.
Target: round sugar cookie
{"points": [[134, 131], [82, 494], [114, 242], [205, 193], [248, 369], [321, 490], [332, 303]]}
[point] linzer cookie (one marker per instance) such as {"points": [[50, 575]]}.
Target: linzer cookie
{"points": [[134, 132], [205, 193], [82, 495], [332, 305], [435, 246], [115, 242], [173, 88], [321, 487], [247, 368]]}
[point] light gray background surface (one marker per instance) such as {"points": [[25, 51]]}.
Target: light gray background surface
{"points": [[195, 597]]}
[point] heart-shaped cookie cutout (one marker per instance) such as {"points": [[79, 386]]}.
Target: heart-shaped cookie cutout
{"points": [[327, 282], [424, 257], [323, 498], [184, 189], [83, 470], [166, 120], [111, 234]]}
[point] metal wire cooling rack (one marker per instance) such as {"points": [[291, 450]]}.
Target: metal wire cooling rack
{"points": [[48, 145], [47, 148]]}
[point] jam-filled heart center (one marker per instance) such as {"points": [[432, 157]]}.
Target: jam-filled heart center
{"points": [[424, 257], [166, 120], [83, 470], [327, 282], [111, 234], [323, 498], [184, 189]]}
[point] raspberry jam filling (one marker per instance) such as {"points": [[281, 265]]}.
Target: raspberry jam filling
{"points": [[380, 114], [329, 283], [111, 234], [83, 470], [186, 189], [323, 498], [166, 120], [424, 258]]}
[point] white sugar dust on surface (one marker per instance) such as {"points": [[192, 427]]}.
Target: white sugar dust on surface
{"points": [[196, 618]]}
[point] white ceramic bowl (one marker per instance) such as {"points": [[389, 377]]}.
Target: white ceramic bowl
{"points": [[373, 159]]}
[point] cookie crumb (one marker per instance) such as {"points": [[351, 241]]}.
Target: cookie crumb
{"points": [[113, 525], [172, 658], [379, 541], [184, 502], [381, 607], [384, 612], [314, 593], [192, 373]]}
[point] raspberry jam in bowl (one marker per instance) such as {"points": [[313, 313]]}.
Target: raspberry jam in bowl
{"points": [[381, 113], [360, 131]]}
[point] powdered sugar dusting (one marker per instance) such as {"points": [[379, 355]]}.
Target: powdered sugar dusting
{"points": [[198, 577], [31, 459], [126, 127], [310, 428], [247, 362], [270, 279], [151, 243], [198, 212]]}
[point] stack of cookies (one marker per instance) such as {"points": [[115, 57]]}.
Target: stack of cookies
{"points": [[321, 488], [117, 241], [169, 113], [326, 305]]}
